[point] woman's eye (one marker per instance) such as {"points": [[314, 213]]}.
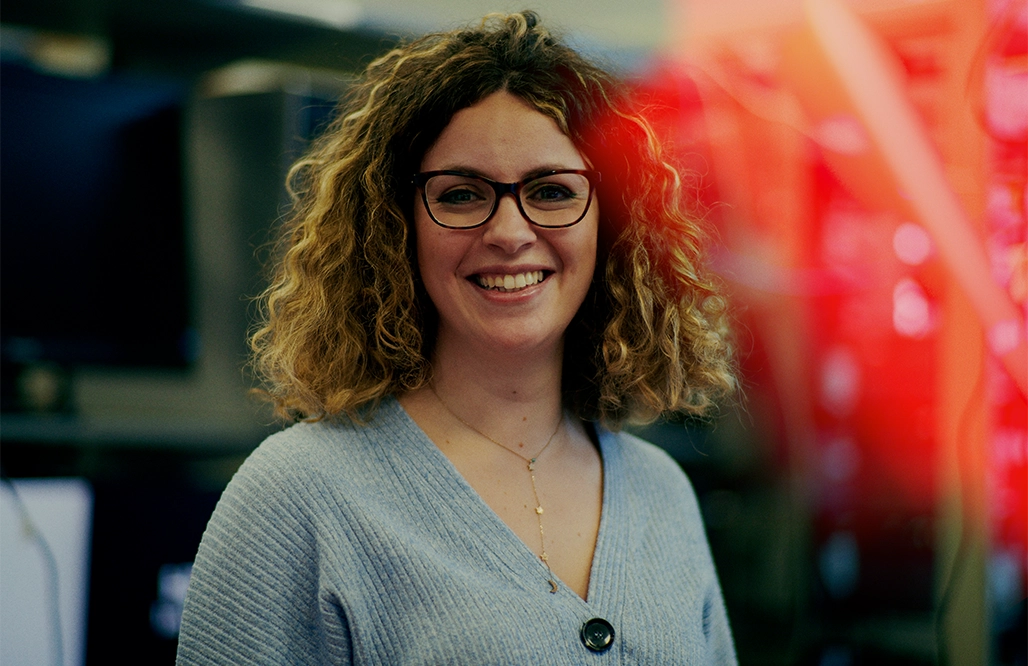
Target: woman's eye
{"points": [[553, 192], [458, 197], [550, 193]]}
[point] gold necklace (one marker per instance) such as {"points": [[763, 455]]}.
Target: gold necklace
{"points": [[531, 473]]}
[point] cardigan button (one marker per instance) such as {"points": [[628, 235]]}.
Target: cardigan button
{"points": [[597, 634]]}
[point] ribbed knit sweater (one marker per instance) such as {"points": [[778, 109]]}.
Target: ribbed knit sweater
{"points": [[344, 544]]}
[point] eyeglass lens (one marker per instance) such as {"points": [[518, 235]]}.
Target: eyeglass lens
{"points": [[554, 200]]}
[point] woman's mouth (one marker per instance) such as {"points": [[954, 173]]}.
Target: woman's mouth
{"points": [[512, 282]]}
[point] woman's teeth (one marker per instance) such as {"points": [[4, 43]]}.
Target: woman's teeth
{"points": [[510, 282]]}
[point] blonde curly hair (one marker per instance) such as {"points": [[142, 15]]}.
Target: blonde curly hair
{"points": [[346, 321]]}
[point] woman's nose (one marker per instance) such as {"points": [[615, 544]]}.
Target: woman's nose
{"points": [[508, 229]]}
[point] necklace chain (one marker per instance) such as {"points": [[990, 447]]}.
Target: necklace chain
{"points": [[531, 473]]}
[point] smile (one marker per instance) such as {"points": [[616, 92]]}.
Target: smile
{"points": [[510, 282]]}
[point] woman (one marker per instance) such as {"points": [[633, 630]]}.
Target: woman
{"points": [[489, 270]]}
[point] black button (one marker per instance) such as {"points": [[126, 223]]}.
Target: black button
{"points": [[597, 634]]}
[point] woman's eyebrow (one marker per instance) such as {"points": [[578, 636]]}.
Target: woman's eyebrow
{"points": [[462, 168], [547, 168], [525, 175]]}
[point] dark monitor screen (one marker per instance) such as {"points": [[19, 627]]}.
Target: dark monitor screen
{"points": [[93, 263]]}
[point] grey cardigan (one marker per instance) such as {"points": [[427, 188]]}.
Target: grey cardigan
{"points": [[340, 544]]}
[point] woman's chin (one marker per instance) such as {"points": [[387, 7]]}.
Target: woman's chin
{"points": [[506, 339]]}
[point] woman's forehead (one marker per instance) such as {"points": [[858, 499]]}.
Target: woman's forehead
{"points": [[502, 132]]}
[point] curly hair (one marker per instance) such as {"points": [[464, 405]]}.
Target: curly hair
{"points": [[346, 321]]}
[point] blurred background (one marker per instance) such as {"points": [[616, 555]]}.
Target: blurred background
{"points": [[863, 166]]}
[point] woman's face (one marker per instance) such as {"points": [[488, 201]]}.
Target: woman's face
{"points": [[504, 139]]}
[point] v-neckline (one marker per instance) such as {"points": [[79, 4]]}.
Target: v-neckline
{"points": [[523, 563]]}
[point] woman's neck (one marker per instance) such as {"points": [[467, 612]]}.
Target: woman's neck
{"points": [[501, 394]]}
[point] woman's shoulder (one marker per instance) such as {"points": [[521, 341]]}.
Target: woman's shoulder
{"points": [[302, 445], [336, 448], [645, 466], [639, 455], [328, 443]]}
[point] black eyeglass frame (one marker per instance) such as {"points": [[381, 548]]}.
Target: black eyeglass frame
{"points": [[514, 189]]}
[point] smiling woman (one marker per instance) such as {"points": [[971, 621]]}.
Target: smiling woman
{"points": [[505, 138], [489, 269]]}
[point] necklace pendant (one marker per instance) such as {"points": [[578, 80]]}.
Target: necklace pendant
{"points": [[539, 510]]}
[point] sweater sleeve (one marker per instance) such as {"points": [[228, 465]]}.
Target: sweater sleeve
{"points": [[716, 629], [254, 596], [676, 535], [720, 646]]}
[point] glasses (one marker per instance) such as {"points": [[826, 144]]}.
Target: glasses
{"points": [[554, 200]]}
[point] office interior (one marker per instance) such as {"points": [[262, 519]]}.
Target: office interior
{"points": [[861, 163]]}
